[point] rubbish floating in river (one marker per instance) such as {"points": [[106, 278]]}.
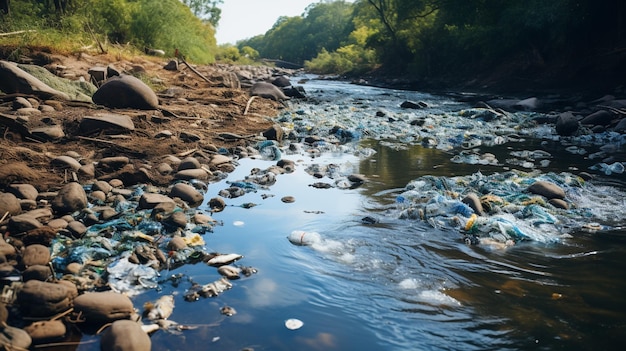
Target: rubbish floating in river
{"points": [[514, 209]]}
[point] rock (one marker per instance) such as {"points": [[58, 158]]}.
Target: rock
{"points": [[35, 254], [566, 124], [77, 229], [125, 335], [110, 122], [176, 243], [103, 307], [15, 80], [189, 174], [559, 203], [189, 163], [46, 331], [50, 133], [217, 204], [126, 92], [65, 162], [101, 185], [42, 299], [217, 160], [177, 219], [602, 118], [268, 91], [172, 65], [621, 126], [288, 199], [9, 203], [151, 200], [413, 105], [70, 198], [37, 272], [98, 74], [547, 190], [189, 137], [12, 338], [295, 92], [473, 201], [281, 82], [23, 223], [21, 102], [112, 164], [187, 193], [275, 132]]}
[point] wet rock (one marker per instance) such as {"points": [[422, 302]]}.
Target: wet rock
{"points": [[559, 203], [4, 313], [621, 126], [103, 307], [43, 236], [230, 272], [126, 91], [566, 124], [281, 82], [46, 331], [547, 190], [602, 118], [12, 338], [70, 198], [357, 178], [288, 199], [297, 92], [217, 204], [172, 65], [530, 104], [125, 335], [42, 299], [473, 201], [176, 243], [268, 91], [7, 250], [65, 162], [187, 193], [109, 122], [9, 203], [177, 219], [57, 223]]}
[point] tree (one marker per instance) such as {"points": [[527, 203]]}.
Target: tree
{"points": [[206, 9]]}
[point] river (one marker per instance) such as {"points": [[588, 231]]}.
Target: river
{"points": [[377, 281]]}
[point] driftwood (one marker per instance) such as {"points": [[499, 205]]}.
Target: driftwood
{"points": [[195, 71]]}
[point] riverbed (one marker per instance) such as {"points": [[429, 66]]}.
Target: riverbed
{"points": [[377, 281]]}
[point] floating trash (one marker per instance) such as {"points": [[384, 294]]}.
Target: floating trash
{"points": [[293, 324]]}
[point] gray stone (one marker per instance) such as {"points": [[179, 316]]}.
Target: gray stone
{"points": [[602, 118], [126, 92], [103, 186], [76, 228], [217, 160], [15, 80], [530, 104]]}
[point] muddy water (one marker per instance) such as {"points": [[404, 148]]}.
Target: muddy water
{"points": [[395, 284]]}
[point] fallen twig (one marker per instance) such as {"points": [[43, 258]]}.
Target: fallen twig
{"points": [[245, 111], [196, 72]]}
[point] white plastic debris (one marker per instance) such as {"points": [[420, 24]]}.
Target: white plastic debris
{"points": [[293, 324]]}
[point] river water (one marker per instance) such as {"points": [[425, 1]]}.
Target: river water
{"points": [[376, 281]]}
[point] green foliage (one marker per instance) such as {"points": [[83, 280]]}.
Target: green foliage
{"points": [[165, 24], [205, 9]]}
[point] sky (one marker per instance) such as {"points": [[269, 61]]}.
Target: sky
{"points": [[242, 19]]}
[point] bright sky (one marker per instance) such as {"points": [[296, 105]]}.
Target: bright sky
{"points": [[243, 19]]}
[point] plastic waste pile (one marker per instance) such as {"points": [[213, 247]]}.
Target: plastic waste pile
{"points": [[505, 208]]}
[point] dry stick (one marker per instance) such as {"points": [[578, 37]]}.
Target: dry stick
{"points": [[245, 112], [17, 32], [196, 72], [4, 217]]}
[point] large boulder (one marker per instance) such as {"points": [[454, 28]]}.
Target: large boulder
{"points": [[268, 91], [125, 335], [566, 124], [15, 80], [103, 307], [126, 92]]}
